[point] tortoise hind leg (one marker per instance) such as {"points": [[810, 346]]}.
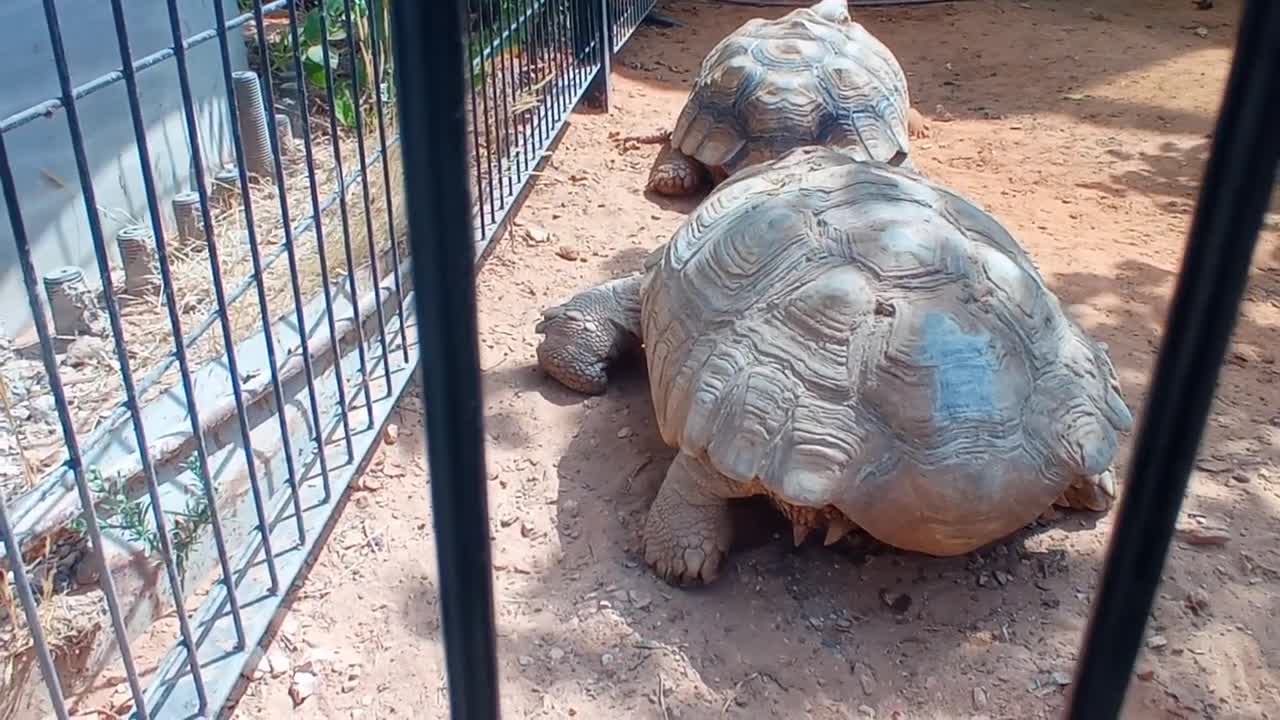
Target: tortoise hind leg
{"points": [[1093, 494], [689, 531], [676, 174]]}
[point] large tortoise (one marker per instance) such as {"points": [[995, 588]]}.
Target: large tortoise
{"points": [[810, 77], [863, 345]]}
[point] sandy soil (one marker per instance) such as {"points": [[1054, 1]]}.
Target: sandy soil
{"points": [[1085, 131]]}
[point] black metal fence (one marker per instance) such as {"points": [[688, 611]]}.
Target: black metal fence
{"points": [[1240, 173], [185, 413]]}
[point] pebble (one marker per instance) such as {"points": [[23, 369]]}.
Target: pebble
{"points": [[979, 698], [866, 711], [865, 678], [624, 433], [1155, 642], [303, 687], [556, 654], [640, 599], [525, 661], [1204, 534], [391, 433], [606, 660]]}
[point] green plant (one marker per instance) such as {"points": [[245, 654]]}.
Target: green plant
{"points": [[132, 516], [328, 21]]}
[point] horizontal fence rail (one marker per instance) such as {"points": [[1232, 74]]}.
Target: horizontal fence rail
{"points": [[205, 384]]}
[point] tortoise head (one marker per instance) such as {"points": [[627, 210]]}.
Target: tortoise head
{"points": [[837, 11]]}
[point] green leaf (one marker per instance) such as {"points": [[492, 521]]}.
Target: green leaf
{"points": [[311, 28], [344, 110]]}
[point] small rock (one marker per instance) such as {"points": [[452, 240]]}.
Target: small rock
{"points": [[867, 711], [536, 235], [606, 660], [639, 599], [1060, 678], [277, 663], [353, 678], [1203, 534], [866, 678], [1213, 465], [624, 433], [1155, 642], [85, 350], [567, 253], [1146, 674], [1197, 602], [302, 687], [556, 654], [979, 698], [86, 571], [897, 602], [525, 661], [1202, 31], [526, 529], [391, 434], [1002, 577]]}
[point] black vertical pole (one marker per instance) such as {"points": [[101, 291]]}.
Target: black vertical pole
{"points": [[1215, 267], [430, 77], [605, 35]]}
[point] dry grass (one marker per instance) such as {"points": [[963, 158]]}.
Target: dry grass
{"points": [[94, 388], [68, 622]]}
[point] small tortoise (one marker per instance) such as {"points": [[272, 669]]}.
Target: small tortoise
{"points": [[810, 77], [861, 344]]}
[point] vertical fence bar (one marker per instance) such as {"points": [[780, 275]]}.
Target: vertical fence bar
{"points": [[219, 290], [322, 254], [604, 39], [237, 112], [474, 47], [70, 439], [330, 94], [122, 355], [1234, 194], [358, 112], [75, 461], [508, 34], [291, 255], [171, 307], [377, 48], [495, 142], [52, 682], [430, 81]]}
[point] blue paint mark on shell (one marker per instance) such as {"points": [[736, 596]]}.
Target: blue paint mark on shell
{"points": [[964, 369]]}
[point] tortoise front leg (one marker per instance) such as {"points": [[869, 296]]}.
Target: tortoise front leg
{"points": [[583, 335], [917, 125], [689, 530]]}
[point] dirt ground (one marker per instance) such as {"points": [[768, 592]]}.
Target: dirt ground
{"points": [[1085, 131]]}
